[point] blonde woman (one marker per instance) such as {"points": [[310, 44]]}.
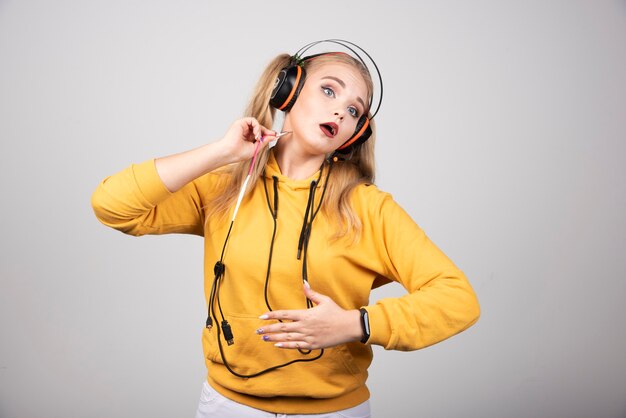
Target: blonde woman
{"points": [[296, 236]]}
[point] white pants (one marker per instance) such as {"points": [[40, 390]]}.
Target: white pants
{"points": [[214, 405]]}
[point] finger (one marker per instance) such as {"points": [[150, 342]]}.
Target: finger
{"points": [[267, 134], [283, 337], [293, 315], [255, 127], [312, 295], [294, 345], [247, 123], [280, 327], [250, 128]]}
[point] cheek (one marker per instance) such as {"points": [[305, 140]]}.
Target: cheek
{"points": [[348, 130], [301, 109]]}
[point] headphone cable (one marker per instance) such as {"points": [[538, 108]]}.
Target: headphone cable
{"points": [[220, 269]]}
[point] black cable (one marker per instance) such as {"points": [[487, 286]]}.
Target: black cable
{"points": [[330, 167], [305, 221], [274, 212], [220, 271], [307, 235], [306, 214], [304, 241]]}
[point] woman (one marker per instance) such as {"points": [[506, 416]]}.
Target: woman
{"points": [[290, 327]]}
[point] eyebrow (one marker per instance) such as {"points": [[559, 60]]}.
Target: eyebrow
{"points": [[342, 84]]}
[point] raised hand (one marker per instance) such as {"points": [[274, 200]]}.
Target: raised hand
{"points": [[239, 141]]}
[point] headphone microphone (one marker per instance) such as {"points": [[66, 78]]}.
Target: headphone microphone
{"points": [[291, 79]]}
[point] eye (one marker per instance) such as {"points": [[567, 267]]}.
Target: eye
{"points": [[354, 112], [328, 91]]}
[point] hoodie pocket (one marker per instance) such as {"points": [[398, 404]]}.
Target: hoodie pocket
{"points": [[249, 355], [346, 357]]}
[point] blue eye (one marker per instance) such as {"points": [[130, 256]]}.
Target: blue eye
{"points": [[353, 111], [328, 91]]}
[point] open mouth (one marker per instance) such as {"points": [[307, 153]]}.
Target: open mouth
{"points": [[330, 129]]}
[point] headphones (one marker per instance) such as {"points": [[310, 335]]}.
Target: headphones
{"points": [[290, 81]]}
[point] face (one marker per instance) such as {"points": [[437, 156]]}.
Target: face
{"points": [[328, 108]]}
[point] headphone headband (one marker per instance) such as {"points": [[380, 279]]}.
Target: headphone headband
{"points": [[299, 59]]}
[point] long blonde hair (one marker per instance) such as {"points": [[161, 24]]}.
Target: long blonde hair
{"points": [[357, 168]]}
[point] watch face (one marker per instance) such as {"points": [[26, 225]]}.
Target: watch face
{"points": [[365, 324]]}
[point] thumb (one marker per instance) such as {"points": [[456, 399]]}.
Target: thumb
{"points": [[315, 297]]}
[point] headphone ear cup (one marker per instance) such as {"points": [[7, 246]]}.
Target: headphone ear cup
{"points": [[287, 86], [362, 132]]}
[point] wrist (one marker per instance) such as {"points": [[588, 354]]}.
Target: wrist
{"points": [[222, 152]]}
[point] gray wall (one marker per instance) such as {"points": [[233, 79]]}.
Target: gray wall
{"points": [[502, 133]]}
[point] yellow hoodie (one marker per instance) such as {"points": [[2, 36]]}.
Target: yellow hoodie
{"points": [[439, 303]]}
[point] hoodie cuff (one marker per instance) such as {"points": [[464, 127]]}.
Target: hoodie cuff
{"points": [[380, 331], [150, 184]]}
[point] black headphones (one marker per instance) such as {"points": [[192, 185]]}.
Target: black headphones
{"points": [[290, 81]]}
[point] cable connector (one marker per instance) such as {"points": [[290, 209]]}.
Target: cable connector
{"points": [[209, 322], [219, 269], [228, 333]]}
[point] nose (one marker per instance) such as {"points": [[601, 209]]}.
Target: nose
{"points": [[340, 117]]}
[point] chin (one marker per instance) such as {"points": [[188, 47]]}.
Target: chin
{"points": [[322, 146]]}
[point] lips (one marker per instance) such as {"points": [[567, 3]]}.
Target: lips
{"points": [[330, 129]]}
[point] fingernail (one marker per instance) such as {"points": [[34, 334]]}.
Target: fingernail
{"points": [[264, 316], [278, 345], [266, 338], [259, 331], [306, 283]]}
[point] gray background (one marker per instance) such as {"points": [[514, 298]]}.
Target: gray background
{"points": [[502, 133]]}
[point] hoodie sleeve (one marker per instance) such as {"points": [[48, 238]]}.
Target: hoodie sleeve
{"points": [[135, 201], [440, 301]]}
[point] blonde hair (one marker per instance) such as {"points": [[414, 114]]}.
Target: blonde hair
{"points": [[357, 168]]}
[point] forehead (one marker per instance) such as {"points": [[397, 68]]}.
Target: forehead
{"points": [[345, 72]]}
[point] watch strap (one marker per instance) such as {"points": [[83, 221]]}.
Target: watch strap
{"points": [[365, 325]]}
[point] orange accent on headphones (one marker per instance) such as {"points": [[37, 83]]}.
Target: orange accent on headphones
{"points": [[293, 91], [357, 135]]}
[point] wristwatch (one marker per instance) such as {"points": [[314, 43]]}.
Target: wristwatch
{"points": [[365, 325]]}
